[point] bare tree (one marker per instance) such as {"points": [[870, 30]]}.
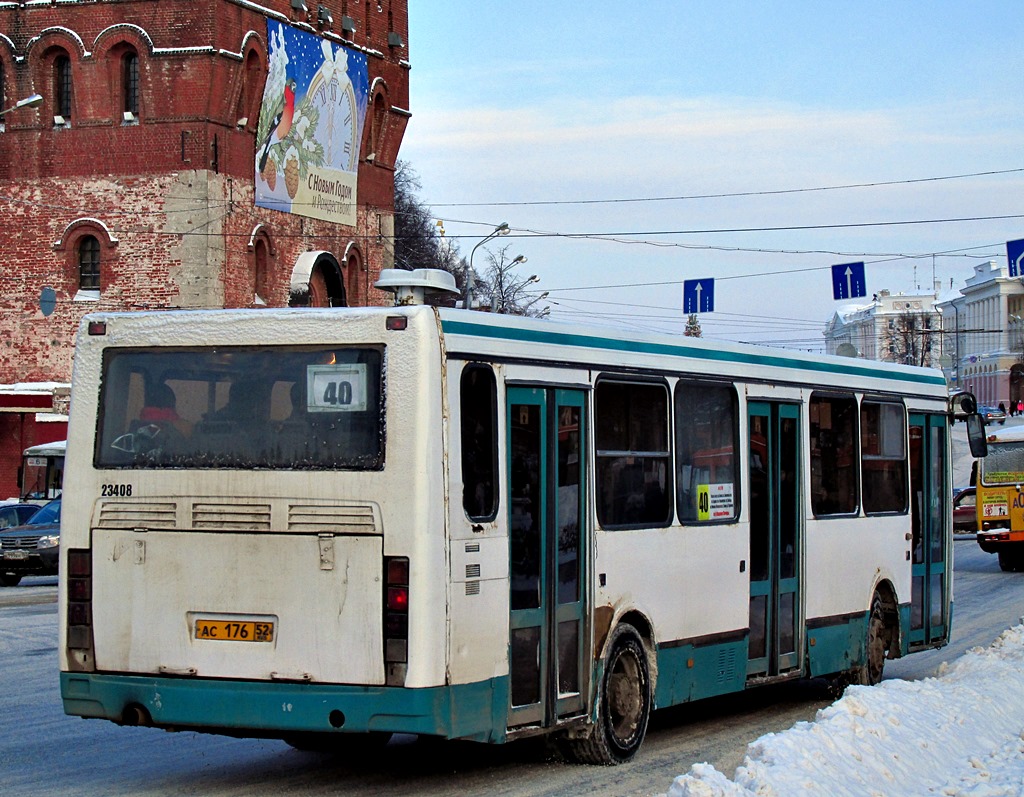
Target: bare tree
{"points": [[693, 329], [908, 339], [505, 289], [419, 240]]}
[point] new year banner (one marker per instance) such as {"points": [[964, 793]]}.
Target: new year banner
{"points": [[310, 126]]}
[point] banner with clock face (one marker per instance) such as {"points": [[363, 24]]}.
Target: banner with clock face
{"points": [[310, 126]]}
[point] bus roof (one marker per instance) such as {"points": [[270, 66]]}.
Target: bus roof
{"points": [[474, 333], [55, 449], [594, 343]]}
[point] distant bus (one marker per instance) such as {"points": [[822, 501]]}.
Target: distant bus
{"points": [[328, 526], [42, 471], [999, 500]]}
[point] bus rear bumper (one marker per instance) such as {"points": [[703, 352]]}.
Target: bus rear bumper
{"points": [[270, 709]]}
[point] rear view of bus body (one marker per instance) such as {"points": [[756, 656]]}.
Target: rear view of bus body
{"points": [[466, 525]]}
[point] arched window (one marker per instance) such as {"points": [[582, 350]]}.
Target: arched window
{"points": [[130, 83], [3, 88], [354, 271], [248, 98], [89, 263], [62, 86], [262, 257], [377, 119]]}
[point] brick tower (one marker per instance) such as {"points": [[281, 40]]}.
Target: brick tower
{"points": [[186, 154]]}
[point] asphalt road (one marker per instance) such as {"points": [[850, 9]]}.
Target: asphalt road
{"points": [[43, 752]]}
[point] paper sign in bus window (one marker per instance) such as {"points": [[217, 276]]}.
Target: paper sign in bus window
{"points": [[715, 502], [340, 387]]}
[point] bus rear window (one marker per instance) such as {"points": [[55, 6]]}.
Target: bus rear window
{"points": [[275, 408]]}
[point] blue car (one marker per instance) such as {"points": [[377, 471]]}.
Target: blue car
{"points": [[992, 414], [32, 549]]}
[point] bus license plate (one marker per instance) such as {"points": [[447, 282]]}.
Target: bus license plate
{"points": [[234, 630]]}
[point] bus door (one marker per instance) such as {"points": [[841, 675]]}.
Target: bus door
{"points": [[929, 589], [774, 539], [547, 555]]}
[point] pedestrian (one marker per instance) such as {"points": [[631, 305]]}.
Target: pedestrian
{"points": [[1002, 408]]}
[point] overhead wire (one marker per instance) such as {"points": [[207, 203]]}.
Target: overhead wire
{"points": [[729, 195]]}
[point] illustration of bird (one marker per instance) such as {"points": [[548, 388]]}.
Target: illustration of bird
{"points": [[283, 115]]}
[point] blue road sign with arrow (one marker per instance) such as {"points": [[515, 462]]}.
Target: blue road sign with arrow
{"points": [[1014, 253], [699, 296], [848, 281]]}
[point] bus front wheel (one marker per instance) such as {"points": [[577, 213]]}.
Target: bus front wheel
{"points": [[623, 703]]}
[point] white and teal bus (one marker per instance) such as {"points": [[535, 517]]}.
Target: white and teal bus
{"points": [[328, 526]]}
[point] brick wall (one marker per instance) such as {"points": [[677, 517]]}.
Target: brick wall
{"points": [[168, 195], [169, 198]]}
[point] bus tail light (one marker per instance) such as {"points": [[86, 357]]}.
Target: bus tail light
{"points": [[79, 619], [396, 619]]}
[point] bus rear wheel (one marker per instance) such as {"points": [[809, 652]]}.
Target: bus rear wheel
{"points": [[1011, 561], [623, 704]]}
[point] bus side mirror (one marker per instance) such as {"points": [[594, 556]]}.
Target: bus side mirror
{"points": [[976, 436]]}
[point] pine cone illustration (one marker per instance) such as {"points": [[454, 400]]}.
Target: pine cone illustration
{"points": [[291, 176], [270, 173]]}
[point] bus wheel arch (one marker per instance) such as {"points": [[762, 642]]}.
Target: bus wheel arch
{"points": [[642, 625], [624, 698]]}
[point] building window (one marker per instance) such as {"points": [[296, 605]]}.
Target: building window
{"points": [[633, 460], [262, 269], [130, 83], [3, 89], [377, 119], [834, 455], [62, 86], [89, 263]]}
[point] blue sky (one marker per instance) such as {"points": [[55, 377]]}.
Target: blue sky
{"points": [[527, 103]]}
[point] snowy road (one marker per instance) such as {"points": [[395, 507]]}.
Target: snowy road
{"points": [[42, 751]]}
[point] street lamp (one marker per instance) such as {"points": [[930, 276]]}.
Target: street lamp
{"points": [[29, 102], [501, 229]]}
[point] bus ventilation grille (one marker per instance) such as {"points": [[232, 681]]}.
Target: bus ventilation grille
{"points": [[341, 519], [136, 515], [726, 665], [231, 517]]}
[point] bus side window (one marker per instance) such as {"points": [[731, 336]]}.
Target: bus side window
{"points": [[883, 443], [478, 409], [706, 445], [632, 454], [834, 455]]}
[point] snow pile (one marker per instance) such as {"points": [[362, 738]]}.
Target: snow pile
{"points": [[961, 733]]}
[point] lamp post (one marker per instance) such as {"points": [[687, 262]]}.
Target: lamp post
{"points": [[502, 296], [28, 102], [501, 229]]}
